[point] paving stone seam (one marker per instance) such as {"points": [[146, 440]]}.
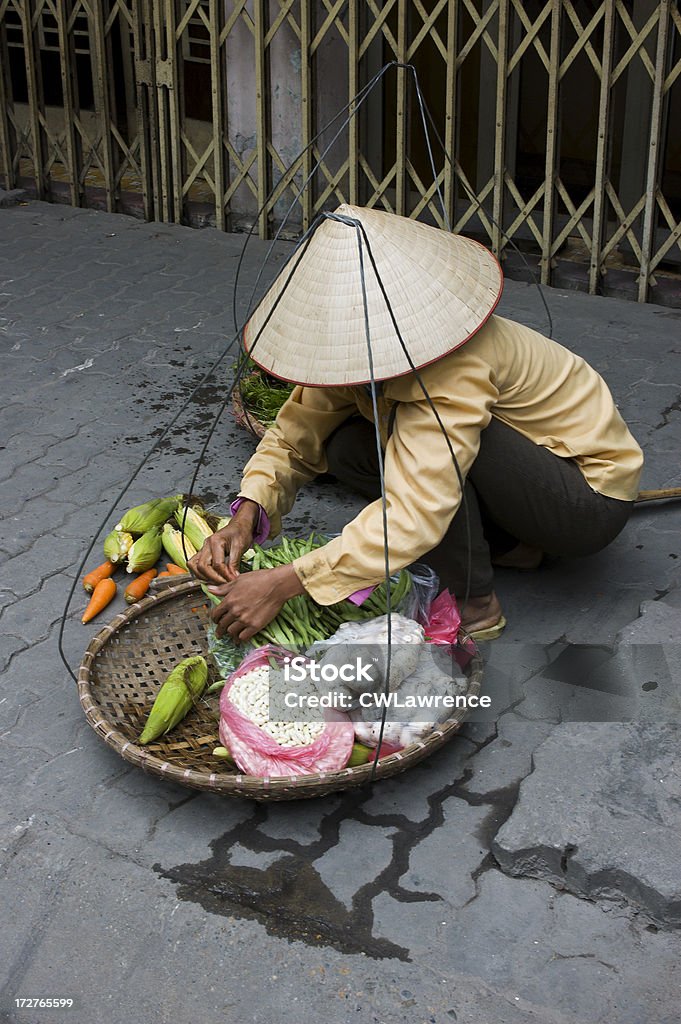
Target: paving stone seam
{"points": [[59, 571], [51, 487], [52, 623], [72, 512], [14, 654], [29, 462], [156, 821], [19, 712], [26, 501]]}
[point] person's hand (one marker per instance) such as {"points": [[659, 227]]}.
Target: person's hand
{"points": [[253, 600], [219, 558]]}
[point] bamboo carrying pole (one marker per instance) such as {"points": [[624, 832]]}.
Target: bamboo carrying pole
{"points": [[665, 492]]}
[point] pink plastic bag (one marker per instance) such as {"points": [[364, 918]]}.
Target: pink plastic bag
{"points": [[256, 753], [444, 620]]}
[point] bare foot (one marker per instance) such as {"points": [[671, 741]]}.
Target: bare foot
{"points": [[481, 613], [522, 556]]}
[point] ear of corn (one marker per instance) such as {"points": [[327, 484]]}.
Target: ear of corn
{"points": [[196, 529], [171, 540], [116, 545], [182, 688], [145, 552], [149, 515]]}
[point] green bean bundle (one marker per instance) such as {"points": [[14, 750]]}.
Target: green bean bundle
{"points": [[301, 620]]}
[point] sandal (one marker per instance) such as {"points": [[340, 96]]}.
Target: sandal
{"points": [[489, 632]]}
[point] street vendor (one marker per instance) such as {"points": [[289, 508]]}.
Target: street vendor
{"points": [[461, 394]]}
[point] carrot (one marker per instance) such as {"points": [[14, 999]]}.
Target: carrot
{"points": [[165, 575], [175, 570], [102, 572], [139, 586], [102, 595]]}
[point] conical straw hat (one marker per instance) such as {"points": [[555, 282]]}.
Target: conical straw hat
{"points": [[310, 327]]}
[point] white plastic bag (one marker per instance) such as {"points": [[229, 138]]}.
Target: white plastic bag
{"points": [[367, 643]]}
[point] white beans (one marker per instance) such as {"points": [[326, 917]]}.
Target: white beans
{"points": [[250, 694]]}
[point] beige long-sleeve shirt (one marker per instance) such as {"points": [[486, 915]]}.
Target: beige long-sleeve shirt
{"points": [[506, 370]]}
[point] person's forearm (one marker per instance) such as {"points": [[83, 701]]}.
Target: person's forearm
{"points": [[292, 451], [253, 516], [248, 511], [285, 582]]}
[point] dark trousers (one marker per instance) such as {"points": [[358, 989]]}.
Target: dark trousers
{"points": [[515, 491]]}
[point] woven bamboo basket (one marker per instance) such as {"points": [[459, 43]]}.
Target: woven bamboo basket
{"points": [[245, 418], [124, 666]]}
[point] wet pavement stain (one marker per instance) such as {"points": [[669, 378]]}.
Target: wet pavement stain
{"points": [[289, 897], [674, 406]]}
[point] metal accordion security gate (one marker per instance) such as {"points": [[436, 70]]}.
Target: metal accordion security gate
{"points": [[561, 119]]}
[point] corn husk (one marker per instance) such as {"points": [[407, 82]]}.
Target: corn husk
{"points": [[116, 545], [182, 688], [196, 529], [146, 551], [171, 540], [149, 515]]}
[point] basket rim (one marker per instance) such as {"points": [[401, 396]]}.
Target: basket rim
{"points": [[237, 784]]}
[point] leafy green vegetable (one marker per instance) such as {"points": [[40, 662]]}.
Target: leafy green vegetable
{"points": [[263, 395]]}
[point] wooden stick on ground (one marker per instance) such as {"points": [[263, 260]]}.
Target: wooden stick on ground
{"points": [[665, 492]]}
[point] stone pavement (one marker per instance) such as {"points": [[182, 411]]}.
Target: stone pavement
{"points": [[529, 872]]}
